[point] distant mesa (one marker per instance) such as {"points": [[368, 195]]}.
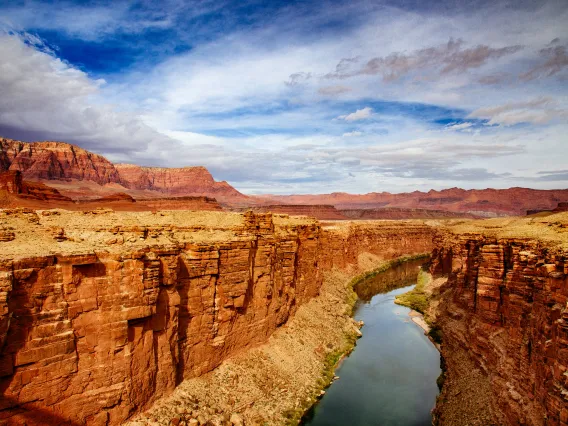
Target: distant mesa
{"points": [[475, 202], [69, 165], [58, 172]]}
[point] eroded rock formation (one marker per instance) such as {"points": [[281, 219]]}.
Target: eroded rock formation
{"points": [[504, 308], [12, 182], [101, 313], [400, 213], [59, 161], [174, 181]]}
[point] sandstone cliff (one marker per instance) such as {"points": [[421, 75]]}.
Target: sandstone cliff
{"points": [[101, 313], [66, 163], [175, 181], [504, 313], [401, 213], [55, 160]]}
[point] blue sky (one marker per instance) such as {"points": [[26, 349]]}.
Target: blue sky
{"points": [[298, 97]]}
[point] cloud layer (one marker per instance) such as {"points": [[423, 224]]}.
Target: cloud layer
{"points": [[355, 96]]}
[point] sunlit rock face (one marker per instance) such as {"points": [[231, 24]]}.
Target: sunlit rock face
{"points": [[505, 304], [104, 316]]}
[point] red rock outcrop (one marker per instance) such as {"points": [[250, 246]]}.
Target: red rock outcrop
{"points": [[46, 161], [181, 203], [92, 336], [480, 202], [175, 181], [12, 182], [55, 160], [505, 307]]}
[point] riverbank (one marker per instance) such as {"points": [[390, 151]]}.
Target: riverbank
{"points": [[393, 367], [275, 383]]}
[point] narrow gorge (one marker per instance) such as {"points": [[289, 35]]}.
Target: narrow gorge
{"points": [[159, 317]]}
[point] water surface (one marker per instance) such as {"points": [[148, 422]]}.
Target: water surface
{"points": [[390, 378]]}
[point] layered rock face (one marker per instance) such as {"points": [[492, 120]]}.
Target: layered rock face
{"points": [[45, 161], [175, 181], [55, 160], [505, 307], [102, 312], [322, 212], [400, 213]]}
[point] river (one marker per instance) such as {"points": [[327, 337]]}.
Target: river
{"points": [[390, 377]]}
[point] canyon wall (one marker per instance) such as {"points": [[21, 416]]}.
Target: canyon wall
{"points": [[504, 307], [101, 313]]}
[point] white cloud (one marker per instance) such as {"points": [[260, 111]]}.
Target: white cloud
{"points": [[43, 95], [536, 111], [354, 133], [461, 126], [360, 114]]}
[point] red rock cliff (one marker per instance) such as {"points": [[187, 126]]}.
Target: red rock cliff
{"points": [[62, 161], [94, 336], [55, 160], [505, 307], [175, 181]]}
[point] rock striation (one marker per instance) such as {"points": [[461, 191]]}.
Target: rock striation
{"points": [[174, 181], [505, 309], [55, 160], [101, 313], [401, 213]]}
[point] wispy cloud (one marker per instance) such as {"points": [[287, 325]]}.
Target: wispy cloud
{"points": [[46, 97], [447, 58], [535, 111], [360, 114]]}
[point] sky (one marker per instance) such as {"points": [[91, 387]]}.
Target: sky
{"points": [[295, 97]]}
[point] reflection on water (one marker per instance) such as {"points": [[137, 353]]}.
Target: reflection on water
{"points": [[398, 276], [390, 378]]}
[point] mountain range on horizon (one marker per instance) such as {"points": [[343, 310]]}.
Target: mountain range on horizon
{"points": [[80, 174]]}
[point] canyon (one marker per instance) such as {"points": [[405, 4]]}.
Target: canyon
{"points": [[103, 312], [119, 304], [104, 315]]}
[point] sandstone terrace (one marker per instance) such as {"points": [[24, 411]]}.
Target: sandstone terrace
{"points": [[551, 230]]}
